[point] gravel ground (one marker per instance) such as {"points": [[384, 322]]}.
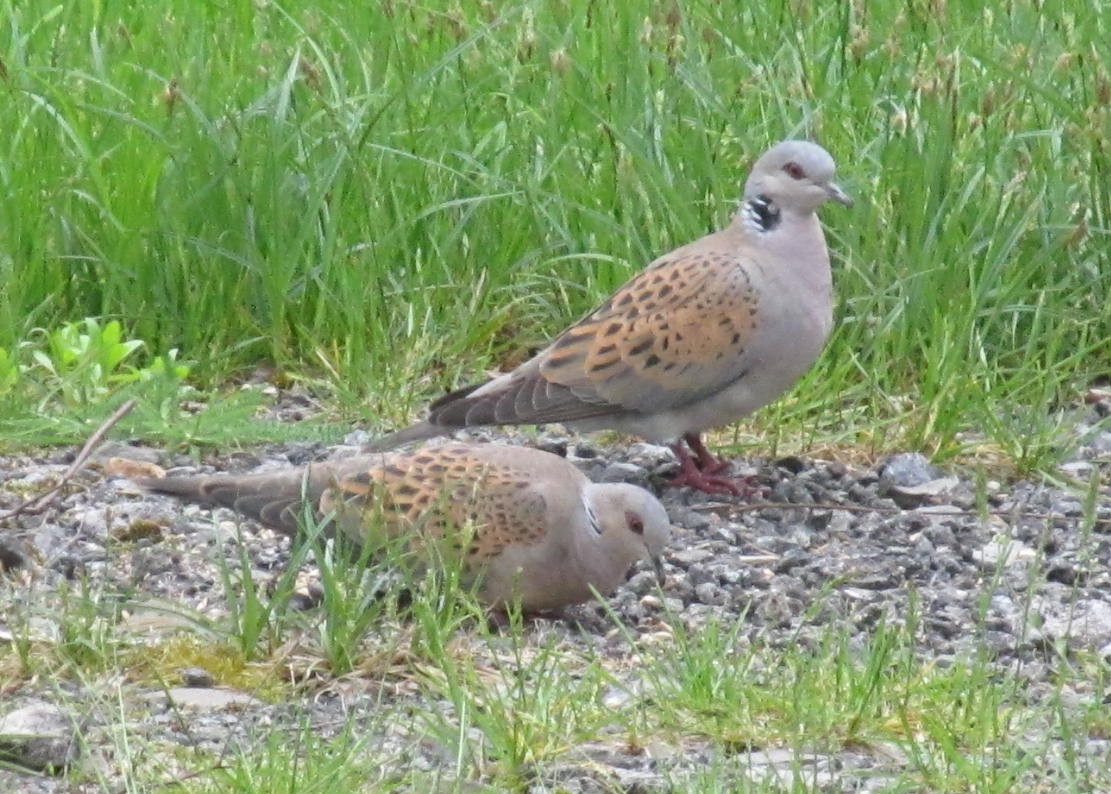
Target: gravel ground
{"points": [[856, 540]]}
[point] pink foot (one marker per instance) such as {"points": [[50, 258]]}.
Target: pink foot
{"points": [[705, 460], [708, 483], [702, 472]]}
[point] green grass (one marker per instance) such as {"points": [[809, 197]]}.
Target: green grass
{"points": [[505, 709], [369, 693], [384, 200], [389, 200]]}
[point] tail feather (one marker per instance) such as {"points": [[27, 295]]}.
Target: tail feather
{"points": [[274, 499], [418, 432]]}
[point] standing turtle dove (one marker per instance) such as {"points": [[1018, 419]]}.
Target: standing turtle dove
{"points": [[705, 335]]}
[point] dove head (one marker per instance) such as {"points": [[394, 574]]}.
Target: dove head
{"points": [[795, 175], [631, 523]]}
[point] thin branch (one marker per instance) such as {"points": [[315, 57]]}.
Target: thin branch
{"points": [[40, 504], [719, 507]]}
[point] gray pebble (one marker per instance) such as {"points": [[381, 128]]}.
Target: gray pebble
{"points": [[710, 593], [357, 438], [908, 469], [641, 583], [196, 677], [40, 736], [624, 472]]}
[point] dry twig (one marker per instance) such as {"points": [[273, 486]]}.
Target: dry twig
{"points": [[38, 505]]}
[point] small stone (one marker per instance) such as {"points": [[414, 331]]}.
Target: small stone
{"points": [[792, 464], [694, 520], [1101, 444], [1064, 574], [640, 780], [196, 677], [658, 637], [303, 601], [91, 520], [642, 582], [156, 619], [732, 576], [923, 548], [556, 445], [819, 519], [651, 456], [68, 566], [940, 534], [12, 554], [300, 454], [620, 471], [709, 593], [909, 497], [859, 594], [206, 698], [1003, 552], [780, 756], [673, 605], [1081, 469], [1087, 624], [139, 529], [691, 555], [861, 494], [700, 574], [907, 470], [877, 580], [723, 535], [791, 558], [357, 438], [39, 736], [617, 697], [341, 451], [1066, 506]]}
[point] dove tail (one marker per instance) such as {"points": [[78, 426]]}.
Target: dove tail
{"points": [[418, 432], [275, 499]]}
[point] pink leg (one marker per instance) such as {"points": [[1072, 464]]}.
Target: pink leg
{"points": [[703, 472], [691, 475], [706, 462]]}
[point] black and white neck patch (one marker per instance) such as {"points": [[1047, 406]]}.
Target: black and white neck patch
{"points": [[760, 213], [591, 519]]}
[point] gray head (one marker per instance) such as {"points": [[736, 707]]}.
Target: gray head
{"points": [[634, 524], [795, 175]]}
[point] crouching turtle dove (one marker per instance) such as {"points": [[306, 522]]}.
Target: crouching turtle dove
{"points": [[529, 523]]}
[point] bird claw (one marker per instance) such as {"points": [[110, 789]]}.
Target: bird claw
{"points": [[703, 471], [713, 466], [703, 460], [712, 483]]}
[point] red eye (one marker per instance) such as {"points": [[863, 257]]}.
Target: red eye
{"points": [[636, 525], [794, 170]]}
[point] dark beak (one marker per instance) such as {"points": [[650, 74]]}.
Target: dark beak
{"points": [[837, 194], [661, 575]]}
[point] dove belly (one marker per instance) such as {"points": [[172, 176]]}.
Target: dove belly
{"points": [[535, 577], [778, 360], [774, 362]]}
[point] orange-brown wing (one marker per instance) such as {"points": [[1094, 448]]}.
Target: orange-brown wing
{"points": [[471, 506], [675, 334]]}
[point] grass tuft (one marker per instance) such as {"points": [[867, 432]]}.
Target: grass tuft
{"points": [[396, 200]]}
